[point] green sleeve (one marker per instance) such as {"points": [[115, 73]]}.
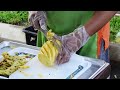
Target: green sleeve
{"points": [[40, 39]]}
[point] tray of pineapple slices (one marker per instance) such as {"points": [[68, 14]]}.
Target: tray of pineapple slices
{"points": [[27, 63]]}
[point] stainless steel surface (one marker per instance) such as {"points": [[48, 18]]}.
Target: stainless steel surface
{"points": [[96, 67], [13, 44]]}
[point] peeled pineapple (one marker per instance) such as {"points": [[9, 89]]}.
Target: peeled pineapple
{"points": [[48, 54], [48, 51]]}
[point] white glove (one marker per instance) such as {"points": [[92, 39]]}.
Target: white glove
{"points": [[71, 43], [38, 19]]}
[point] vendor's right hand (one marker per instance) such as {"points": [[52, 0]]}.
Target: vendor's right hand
{"points": [[37, 19]]}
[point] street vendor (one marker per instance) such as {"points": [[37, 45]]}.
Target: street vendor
{"points": [[83, 32]]}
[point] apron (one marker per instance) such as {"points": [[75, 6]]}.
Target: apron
{"points": [[65, 22]]}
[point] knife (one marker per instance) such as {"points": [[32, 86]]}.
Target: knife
{"points": [[75, 72]]}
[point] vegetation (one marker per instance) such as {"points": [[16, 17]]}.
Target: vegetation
{"points": [[114, 27], [14, 17]]}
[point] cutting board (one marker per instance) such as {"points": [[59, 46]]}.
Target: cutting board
{"points": [[37, 70]]}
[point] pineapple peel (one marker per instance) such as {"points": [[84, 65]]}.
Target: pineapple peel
{"points": [[23, 67]]}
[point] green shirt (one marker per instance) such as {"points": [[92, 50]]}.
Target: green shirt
{"points": [[64, 22]]}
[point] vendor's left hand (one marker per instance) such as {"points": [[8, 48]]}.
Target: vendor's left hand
{"points": [[72, 43]]}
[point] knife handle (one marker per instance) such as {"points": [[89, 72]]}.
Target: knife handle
{"points": [[75, 72]]}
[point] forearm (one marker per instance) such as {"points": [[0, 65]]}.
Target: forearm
{"points": [[99, 19]]}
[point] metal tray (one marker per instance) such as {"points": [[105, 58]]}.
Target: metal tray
{"points": [[6, 46], [96, 67]]}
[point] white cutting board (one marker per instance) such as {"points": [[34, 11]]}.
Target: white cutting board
{"points": [[37, 70]]}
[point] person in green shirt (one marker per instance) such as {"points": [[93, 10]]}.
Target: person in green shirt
{"points": [[80, 31]]}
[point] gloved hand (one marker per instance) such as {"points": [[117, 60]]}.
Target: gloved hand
{"points": [[72, 43], [31, 15], [37, 19]]}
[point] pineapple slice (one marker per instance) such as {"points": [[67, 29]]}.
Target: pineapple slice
{"points": [[43, 59], [53, 51], [48, 50]]}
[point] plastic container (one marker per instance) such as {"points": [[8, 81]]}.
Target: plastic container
{"points": [[31, 35]]}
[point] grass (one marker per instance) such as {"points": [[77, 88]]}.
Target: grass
{"points": [[14, 17]]}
